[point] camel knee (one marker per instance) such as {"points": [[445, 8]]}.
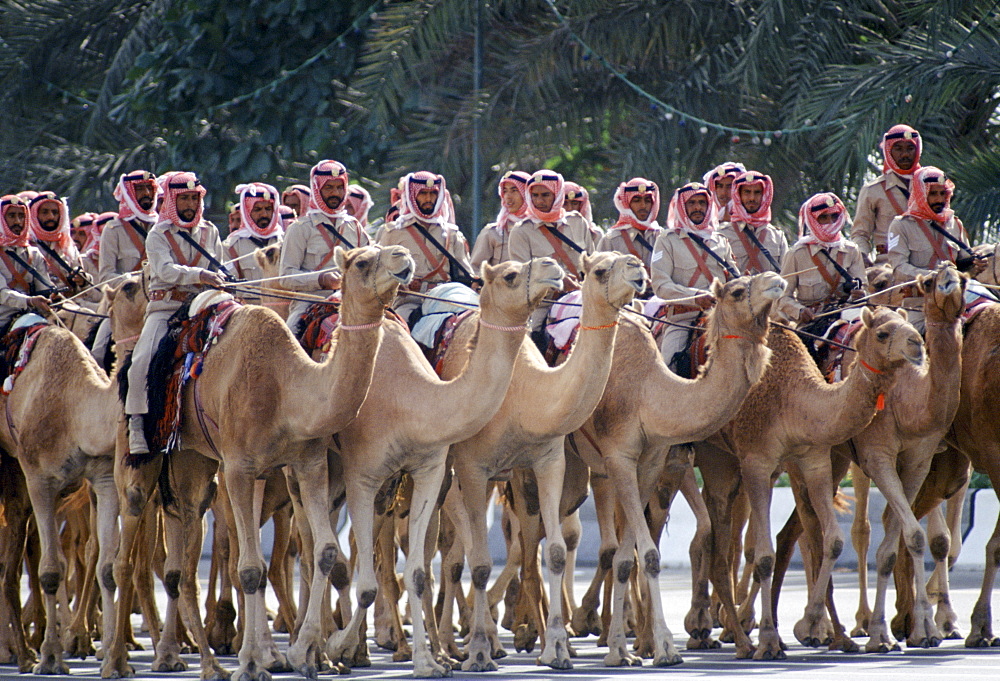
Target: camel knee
{"points": [[651, 562], [763, 567], [940, 546], [339, 575], [108, 577], [327, 557], [455, 572], [572, 540], [480, 576], [252, 578], [836, 547], [172, 584], [135, 500], [624, 569], [607, 558], [557, 558], [886, 564], [419, 580], [915, 540], [49, 581], [367, 597]]}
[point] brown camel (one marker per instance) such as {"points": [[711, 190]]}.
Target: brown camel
{"points": [[16, 510], [269, 405], [60, 426], [541, 407], [791, 419], [630, 432], [409, 420], [896, 448]]}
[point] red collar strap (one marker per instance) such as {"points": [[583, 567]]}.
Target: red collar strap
{"points": [[870, 368]]}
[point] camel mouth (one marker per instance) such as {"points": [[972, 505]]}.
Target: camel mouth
{"points": [[552, 282], [775, 290], [404, 275], [638, 283]]}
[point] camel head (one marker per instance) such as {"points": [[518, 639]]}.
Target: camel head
{"points": [[745, 303], [268, 259], [880, 278], [126, 306], [887, 341], [371, 275], [613, 277], [991, 275], [944, 293], [514, 289]]}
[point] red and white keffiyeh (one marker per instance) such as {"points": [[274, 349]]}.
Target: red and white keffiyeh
{"points": [[762, 215], [811, 231], [576, 192], [892, 137], [637, 186], [128, 205], [678, 219], [321, 173], [302, 192], [95, 231], [84, 222], [413, 184], [518, 180], [723, 169], [60, 237], [8, 237], [555, 183], [917, 205], [359, 202], [287, 215], [177, 183], [251, 194]]}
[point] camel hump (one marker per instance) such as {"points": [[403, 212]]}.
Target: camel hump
{"points": [[206, 299]]}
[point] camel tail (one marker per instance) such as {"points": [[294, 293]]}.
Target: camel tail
{"points": [[841, 502]]}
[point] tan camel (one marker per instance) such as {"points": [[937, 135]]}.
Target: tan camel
{"points": [[896, 448], [791, 419], [630, 432], [59, 424], [409, 420], [541, 407], [16, 510], [267, 405]]}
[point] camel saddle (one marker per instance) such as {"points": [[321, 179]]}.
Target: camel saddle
{"points": [[17, 345], [179, 359], [317, 324]]}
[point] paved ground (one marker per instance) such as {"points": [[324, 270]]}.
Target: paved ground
{"points": [[950, 661]]}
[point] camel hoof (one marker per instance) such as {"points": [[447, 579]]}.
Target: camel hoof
{"points": [[622, 658], [215, 673], [727, 636], [882, 647], [169, 663], [844, 645], [279, 665], [78, 645], [668, 660], [769, 651], [404, 655], [254, 673], [745, 653], [51, 667], [524, 638], [699, 643], [432, 671], [480, 662], [925, 642]]}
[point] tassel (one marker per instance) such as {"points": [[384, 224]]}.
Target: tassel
{"points": [[880, 402]]}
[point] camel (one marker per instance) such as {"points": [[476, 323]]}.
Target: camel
{"points": [[59, 425], [409, 420], [630, 432], [540, 408], [268, 405], [896, 448], [792, 418]]}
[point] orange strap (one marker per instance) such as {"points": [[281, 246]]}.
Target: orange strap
{"points": [[137, 241], [234, 258], [702, 265], [330, 246], [825, 273], [17, 277], [629, 245], [179, 254], [560, 252], [941, 250], [437, 266], [892, 199], [755, 266]]}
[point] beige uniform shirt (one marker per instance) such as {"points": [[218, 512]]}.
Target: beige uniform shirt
{"points": [[875, 211], [676, 272], [491, 246], [15, 290], [911, 253], [772, 238], [809, 288], [628, 240], [240, 261], [119, 253], [432, 266], [174, 264], [308, 246], [527, 241]]}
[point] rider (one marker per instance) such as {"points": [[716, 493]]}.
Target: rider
{"points": [[48, 217], [24, 284], [638, 204], [492, 244], [259, 227], [758, 246]]}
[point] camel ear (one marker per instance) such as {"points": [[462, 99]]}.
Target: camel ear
{"points": [[903, 313], [586, 262], [716, 288], [637, 306], [867, 317], [488, 272], [922, 281], [340, 257]]}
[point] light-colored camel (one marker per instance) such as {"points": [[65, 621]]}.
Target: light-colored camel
{"points": [[791, 419], [267, 404], [541, 407], [896, 448], [409, 420], [631, 431], [60, 426]]}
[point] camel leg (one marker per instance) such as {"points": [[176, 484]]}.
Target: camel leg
{"points": [[168, 647], [427, 483], [149, 547], [16, 512], [549, 473], [572, 530], [861, 532], [939, 542], [473, 492], [452, 566], [76, 640], [757, 480], [277, 573], [698, 621], [530, 609], [389, 633], [507, 583], [107, 544], [981, 632], [585, 618], [220, 626]]}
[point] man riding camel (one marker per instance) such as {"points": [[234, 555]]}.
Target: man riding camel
{"points": [[24, 283], [492, 243], [758, 246], [638, 204], [48, 218], [719, 181], [259, 227]]}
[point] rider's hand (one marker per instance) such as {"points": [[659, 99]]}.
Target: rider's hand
{"points": [[857, 294], [978, 265], [213, 279], [704, 300], [330, 281], [806, 315], [40, 303]]}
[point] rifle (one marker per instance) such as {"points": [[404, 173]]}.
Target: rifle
{"points": [[701, 242], [760, 247], [212, 260], [850, 283], [456, 270]]}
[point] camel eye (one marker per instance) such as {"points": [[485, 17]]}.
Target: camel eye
{"points": [[601, 273], [738, 294], [882, 335], [510, 277]]}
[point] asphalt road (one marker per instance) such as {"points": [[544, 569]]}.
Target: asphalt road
{"points": [[951, 661]]}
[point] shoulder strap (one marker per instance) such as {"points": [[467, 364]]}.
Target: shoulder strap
{"points": [[437, 266], [179, 256], [18, 279], [137, 235], [337, 235], [234, 256], [825, 273], [760, 247], [941, 251], [700, 261], [892, 198], [730, 270], [554, 237]]}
